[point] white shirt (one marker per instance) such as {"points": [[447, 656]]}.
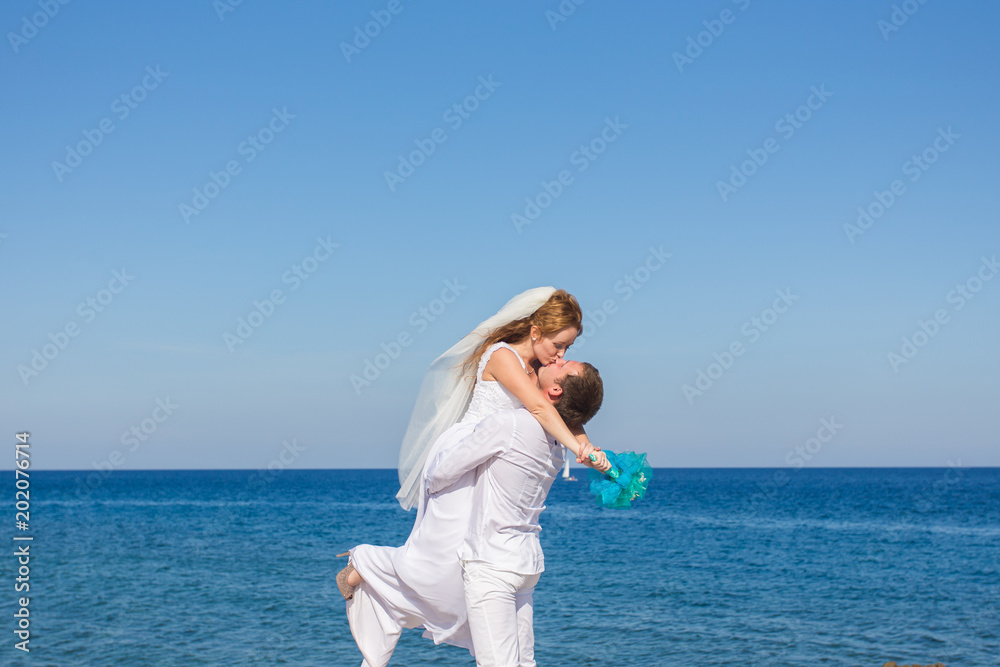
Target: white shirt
{"points": [[516, 462]]}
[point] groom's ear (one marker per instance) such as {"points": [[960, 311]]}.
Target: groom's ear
{"points": [[554, 391]]}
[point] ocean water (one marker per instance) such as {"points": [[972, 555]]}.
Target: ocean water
{"points": [[714, 567]]}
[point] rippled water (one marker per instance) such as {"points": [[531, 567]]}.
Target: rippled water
{"points": [[714, 567]]}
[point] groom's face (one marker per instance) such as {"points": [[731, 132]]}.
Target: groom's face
{"points": [[549, 376]]}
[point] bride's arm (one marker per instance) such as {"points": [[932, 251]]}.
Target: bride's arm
{"points": [[504, 366], [584, 440]]}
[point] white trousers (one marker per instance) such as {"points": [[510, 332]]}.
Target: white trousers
{"points": [[499, 604], [375, 630]]}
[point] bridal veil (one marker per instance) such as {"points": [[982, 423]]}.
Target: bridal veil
{"points": [[445, 392]]}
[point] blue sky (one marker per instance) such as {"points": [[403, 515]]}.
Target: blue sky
{"points": [[211, 157]]}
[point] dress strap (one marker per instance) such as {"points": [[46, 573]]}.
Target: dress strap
{"points": [[489, 353]]}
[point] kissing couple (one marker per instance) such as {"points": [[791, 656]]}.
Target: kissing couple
{"points": [[482, 449]]}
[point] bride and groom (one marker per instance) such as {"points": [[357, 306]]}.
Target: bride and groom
{"points": [[467, 572]]}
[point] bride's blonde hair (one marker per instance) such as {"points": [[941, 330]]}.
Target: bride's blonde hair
{"points": [[560, 311]]}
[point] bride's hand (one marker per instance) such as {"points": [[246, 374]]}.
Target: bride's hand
{"points": [[586, 449], [601, 464]]}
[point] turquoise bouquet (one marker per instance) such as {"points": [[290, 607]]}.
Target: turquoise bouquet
{"points": [[626, 481]]}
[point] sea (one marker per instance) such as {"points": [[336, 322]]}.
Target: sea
{"points": [[796, 567]]}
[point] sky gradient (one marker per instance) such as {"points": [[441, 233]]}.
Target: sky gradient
{"points": [[214, 215]]}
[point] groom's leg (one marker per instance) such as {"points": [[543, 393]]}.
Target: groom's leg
{"points": [[491, 599], [524, 602]]}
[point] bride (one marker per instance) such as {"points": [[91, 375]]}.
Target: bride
{"points": [[420, 583]]}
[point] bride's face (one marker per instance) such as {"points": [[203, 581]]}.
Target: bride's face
{"points": [[549, 348]]}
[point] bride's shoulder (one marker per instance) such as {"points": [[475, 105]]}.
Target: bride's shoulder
{"points": [[500, 351], [498, 346], [503, 352]]}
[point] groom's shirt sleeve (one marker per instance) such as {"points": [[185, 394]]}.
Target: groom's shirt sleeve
{"points": [[493, 436]]}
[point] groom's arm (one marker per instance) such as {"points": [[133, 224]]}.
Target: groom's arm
{"points": [[492, 436]]}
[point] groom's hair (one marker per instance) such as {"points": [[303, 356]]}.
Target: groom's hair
{"points": [[582, 396]]}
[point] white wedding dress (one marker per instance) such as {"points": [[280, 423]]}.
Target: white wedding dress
{"points": [[420, 583]]}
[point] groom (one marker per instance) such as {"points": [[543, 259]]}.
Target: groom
{"points": [[515, 462]]}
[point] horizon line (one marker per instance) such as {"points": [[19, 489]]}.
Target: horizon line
{"points": [[577, 467]]}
